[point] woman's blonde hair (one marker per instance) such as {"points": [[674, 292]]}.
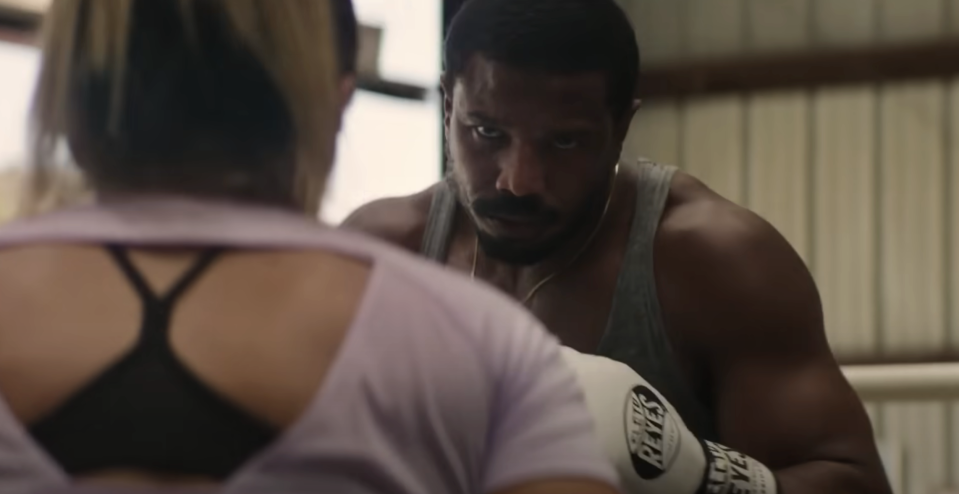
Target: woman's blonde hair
{"points": [[291, 42]]}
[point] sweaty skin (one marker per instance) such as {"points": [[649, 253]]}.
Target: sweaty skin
{"points": [[740, 307]]}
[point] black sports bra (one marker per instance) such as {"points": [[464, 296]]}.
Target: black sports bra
{"points": [[148, 411]]}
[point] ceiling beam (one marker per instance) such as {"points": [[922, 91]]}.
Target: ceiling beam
{"points": [[803, 70]]}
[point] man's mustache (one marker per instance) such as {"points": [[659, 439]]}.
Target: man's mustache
{"points": [[511, 206]]}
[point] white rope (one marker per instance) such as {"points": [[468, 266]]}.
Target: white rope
{"points": [[27, 6], [908, 382]]}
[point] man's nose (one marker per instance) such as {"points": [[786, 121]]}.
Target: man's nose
{"points": [[522, 173]]}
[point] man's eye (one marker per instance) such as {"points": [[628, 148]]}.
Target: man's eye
{"points": [[565, 142], [487, 132]]}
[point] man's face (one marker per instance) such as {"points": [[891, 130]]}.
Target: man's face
{"points": [[532, 154]]}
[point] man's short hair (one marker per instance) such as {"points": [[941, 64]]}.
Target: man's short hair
{"points": [[346, 34], [561, 36]]}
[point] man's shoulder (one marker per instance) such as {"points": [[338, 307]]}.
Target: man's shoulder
{"points": [[719, 249], [700, 222], [400, 221], [724, 258]]}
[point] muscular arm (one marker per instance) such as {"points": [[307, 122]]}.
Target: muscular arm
{"points": [[755, 318]]}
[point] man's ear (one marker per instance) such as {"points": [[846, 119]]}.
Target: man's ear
{"points": [[622, 126]]}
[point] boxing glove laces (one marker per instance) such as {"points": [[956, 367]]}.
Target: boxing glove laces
{"points": [[650, 446]]}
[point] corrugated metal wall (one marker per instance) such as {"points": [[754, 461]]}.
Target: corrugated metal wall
{"points": [[862, 181]]}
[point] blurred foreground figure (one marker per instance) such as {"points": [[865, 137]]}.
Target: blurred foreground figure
{"points": [[195, 325], [64, 187], [637, 262]]}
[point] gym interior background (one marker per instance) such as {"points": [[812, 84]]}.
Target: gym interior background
{"points": [[837, 120]]}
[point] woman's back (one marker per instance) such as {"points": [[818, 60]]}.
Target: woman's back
{"points": [[377, 373], [216, 329]]}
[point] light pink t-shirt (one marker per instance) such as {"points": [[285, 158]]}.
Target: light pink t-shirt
{"points": [[442, 386]]}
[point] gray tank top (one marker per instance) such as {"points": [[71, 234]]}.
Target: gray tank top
{"points": [[635, 333]]}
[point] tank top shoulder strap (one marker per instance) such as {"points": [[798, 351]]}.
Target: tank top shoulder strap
{"points": [[636, 333], [439, 226]]}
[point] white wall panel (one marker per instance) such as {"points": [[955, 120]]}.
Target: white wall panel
{"points": [[844, 216], [952, 453], [911, 20], [778, 164], [893, 459], [952, 251], [911, 205], [951, 204], [714, 27], [655, 134], [844, 22], [712, 140], [912, 268], [778, 25], [661, 29], [919, 428], [952, 17]]}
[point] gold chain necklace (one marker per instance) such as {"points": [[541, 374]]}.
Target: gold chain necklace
{"points": [[589, 240]]}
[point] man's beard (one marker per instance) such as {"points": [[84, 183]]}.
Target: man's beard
{"points": [[525, 252]]}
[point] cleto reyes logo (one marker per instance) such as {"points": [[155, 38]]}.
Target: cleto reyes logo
{"points": [[651, 433], [731, 472]]}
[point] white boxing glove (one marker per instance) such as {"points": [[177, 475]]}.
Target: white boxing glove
{"points": [[648, 443]]}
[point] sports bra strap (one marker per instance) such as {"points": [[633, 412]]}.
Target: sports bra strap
{"points": [[142, 287]]}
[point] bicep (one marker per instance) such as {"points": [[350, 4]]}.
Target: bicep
{"points": [[757, 331], [780, 395], [791, 410]]}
